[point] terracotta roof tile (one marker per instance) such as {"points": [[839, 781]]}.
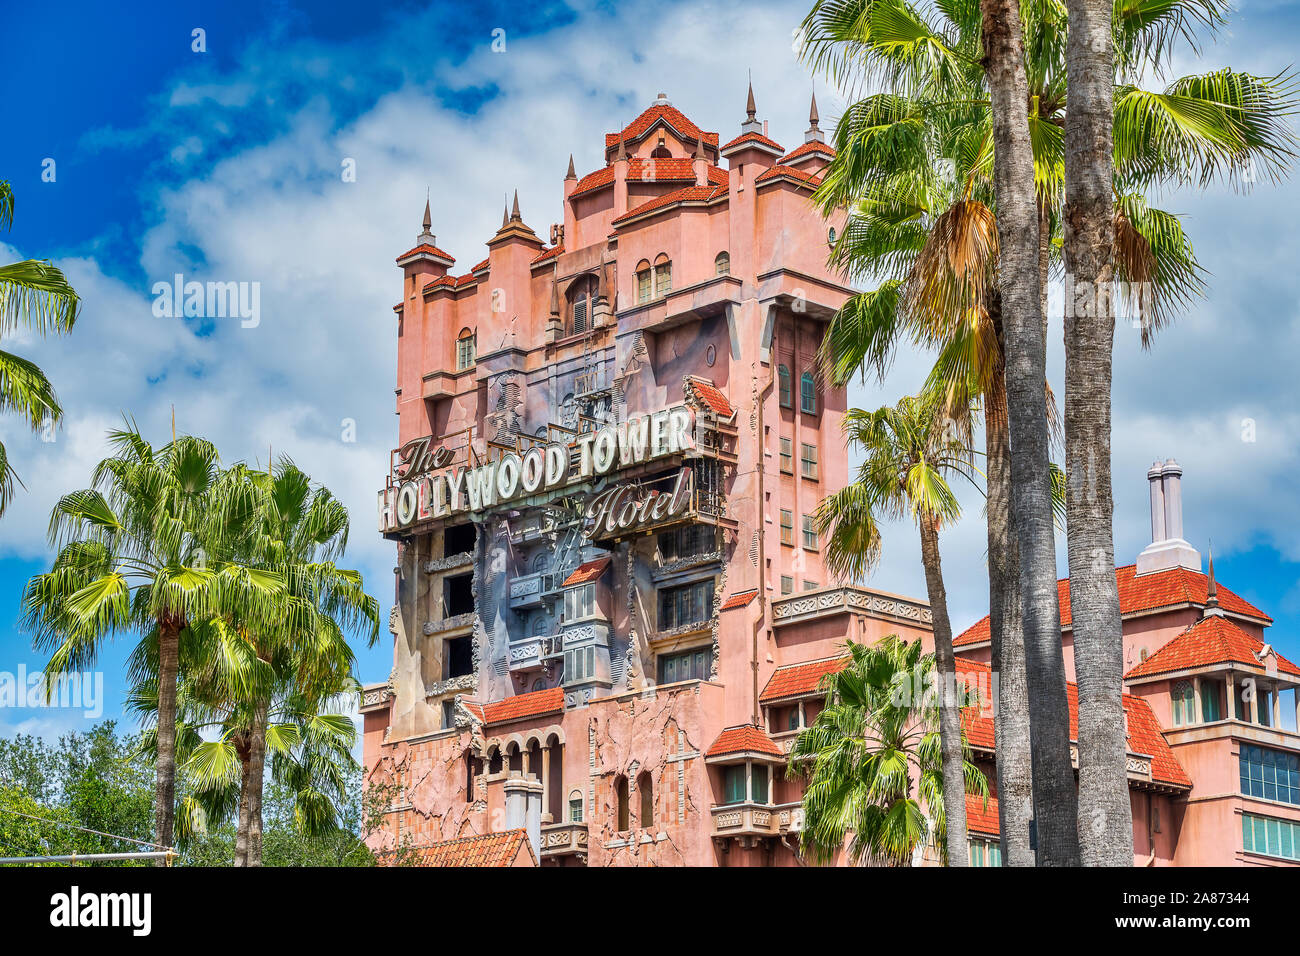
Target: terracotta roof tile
{"points": [[545, 254], [549, 701], [479, 267], [1139, 593], [796, 680], [1144, 734], [489, 850], [788, 172], [674, 169], [674, 117], [745, 738], [758, 138], [708, 393], [808, 149], [687, 194], [588, 571], [1211, 640], [740, 599], [981, 818], [424, 247]]}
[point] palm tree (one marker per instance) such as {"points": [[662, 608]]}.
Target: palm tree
{"points": [[934, 238], [142, 550], [309, 744], [872, 760], [298, 533], [1098, 144], [34, 296], [910, 451]]}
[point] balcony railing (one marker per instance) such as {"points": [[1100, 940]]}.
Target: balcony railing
{"points": [[526, 591], [564, 839]]}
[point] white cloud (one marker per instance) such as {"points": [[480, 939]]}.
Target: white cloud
{"points": [[322, 250]]}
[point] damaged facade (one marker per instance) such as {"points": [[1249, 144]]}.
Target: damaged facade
{"points": [[611, 447]]}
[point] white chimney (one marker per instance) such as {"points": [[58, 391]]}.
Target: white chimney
{"points": [[1167, 548]]}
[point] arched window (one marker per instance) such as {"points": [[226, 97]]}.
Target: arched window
{"points": [[663, 275], [645, 788], [722, 264], [1183, 698], [620, 803], [643, 281], [541, 561], [582, 301], [539, 625], [786, 390], [575, 806], [807, 394], [466, 349]]}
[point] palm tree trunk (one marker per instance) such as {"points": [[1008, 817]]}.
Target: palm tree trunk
{"points": [[1105, 814], [1011, 708], [954, 780], [164, 809], [256, 780], [244, 749], [1055, 799]]}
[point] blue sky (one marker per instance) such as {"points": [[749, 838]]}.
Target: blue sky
{"points": [[225, 165]]}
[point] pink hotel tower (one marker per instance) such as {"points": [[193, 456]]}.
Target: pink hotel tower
{"points": [[611, 614]]}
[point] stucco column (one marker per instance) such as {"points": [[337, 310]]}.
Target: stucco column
{"points": [[1295, 697], [546, 784], [1277, 708], [1230, 698], [1196, 700], [803, 717], [526, 761]]}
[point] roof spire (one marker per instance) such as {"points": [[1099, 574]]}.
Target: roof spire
{"points": [[505, 215], [622, 145], [572, 173], [426, 235], [1212, 590], [514, 210], [751, 124], [814, 132]]}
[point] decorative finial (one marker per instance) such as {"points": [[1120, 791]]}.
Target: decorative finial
{"points": [[572, 173], [812, 113], [1212, 589], [750, 108], [514, 210], [505, 215], [426, 234]]}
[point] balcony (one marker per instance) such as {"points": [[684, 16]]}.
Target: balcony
{"points": [[564, 839], [529, 653], [828, 602], [526, 591]]}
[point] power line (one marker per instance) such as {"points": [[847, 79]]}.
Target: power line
{"points": [[64, 823]]}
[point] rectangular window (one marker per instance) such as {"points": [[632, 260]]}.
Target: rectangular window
{"points": [[809, 585], [643, 286], [1269, 836], [686, 542], [580, 602], [458, 657], [580, 315], [686, 665], [785, 389], [733, 784], [787, 584], [807, 394], [787, 456], [809, 533], [808, 461], [985, 852], [575, 810], [760, 785], [787, 528], [686, 604], [1210, 709], [1270, 774]]}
